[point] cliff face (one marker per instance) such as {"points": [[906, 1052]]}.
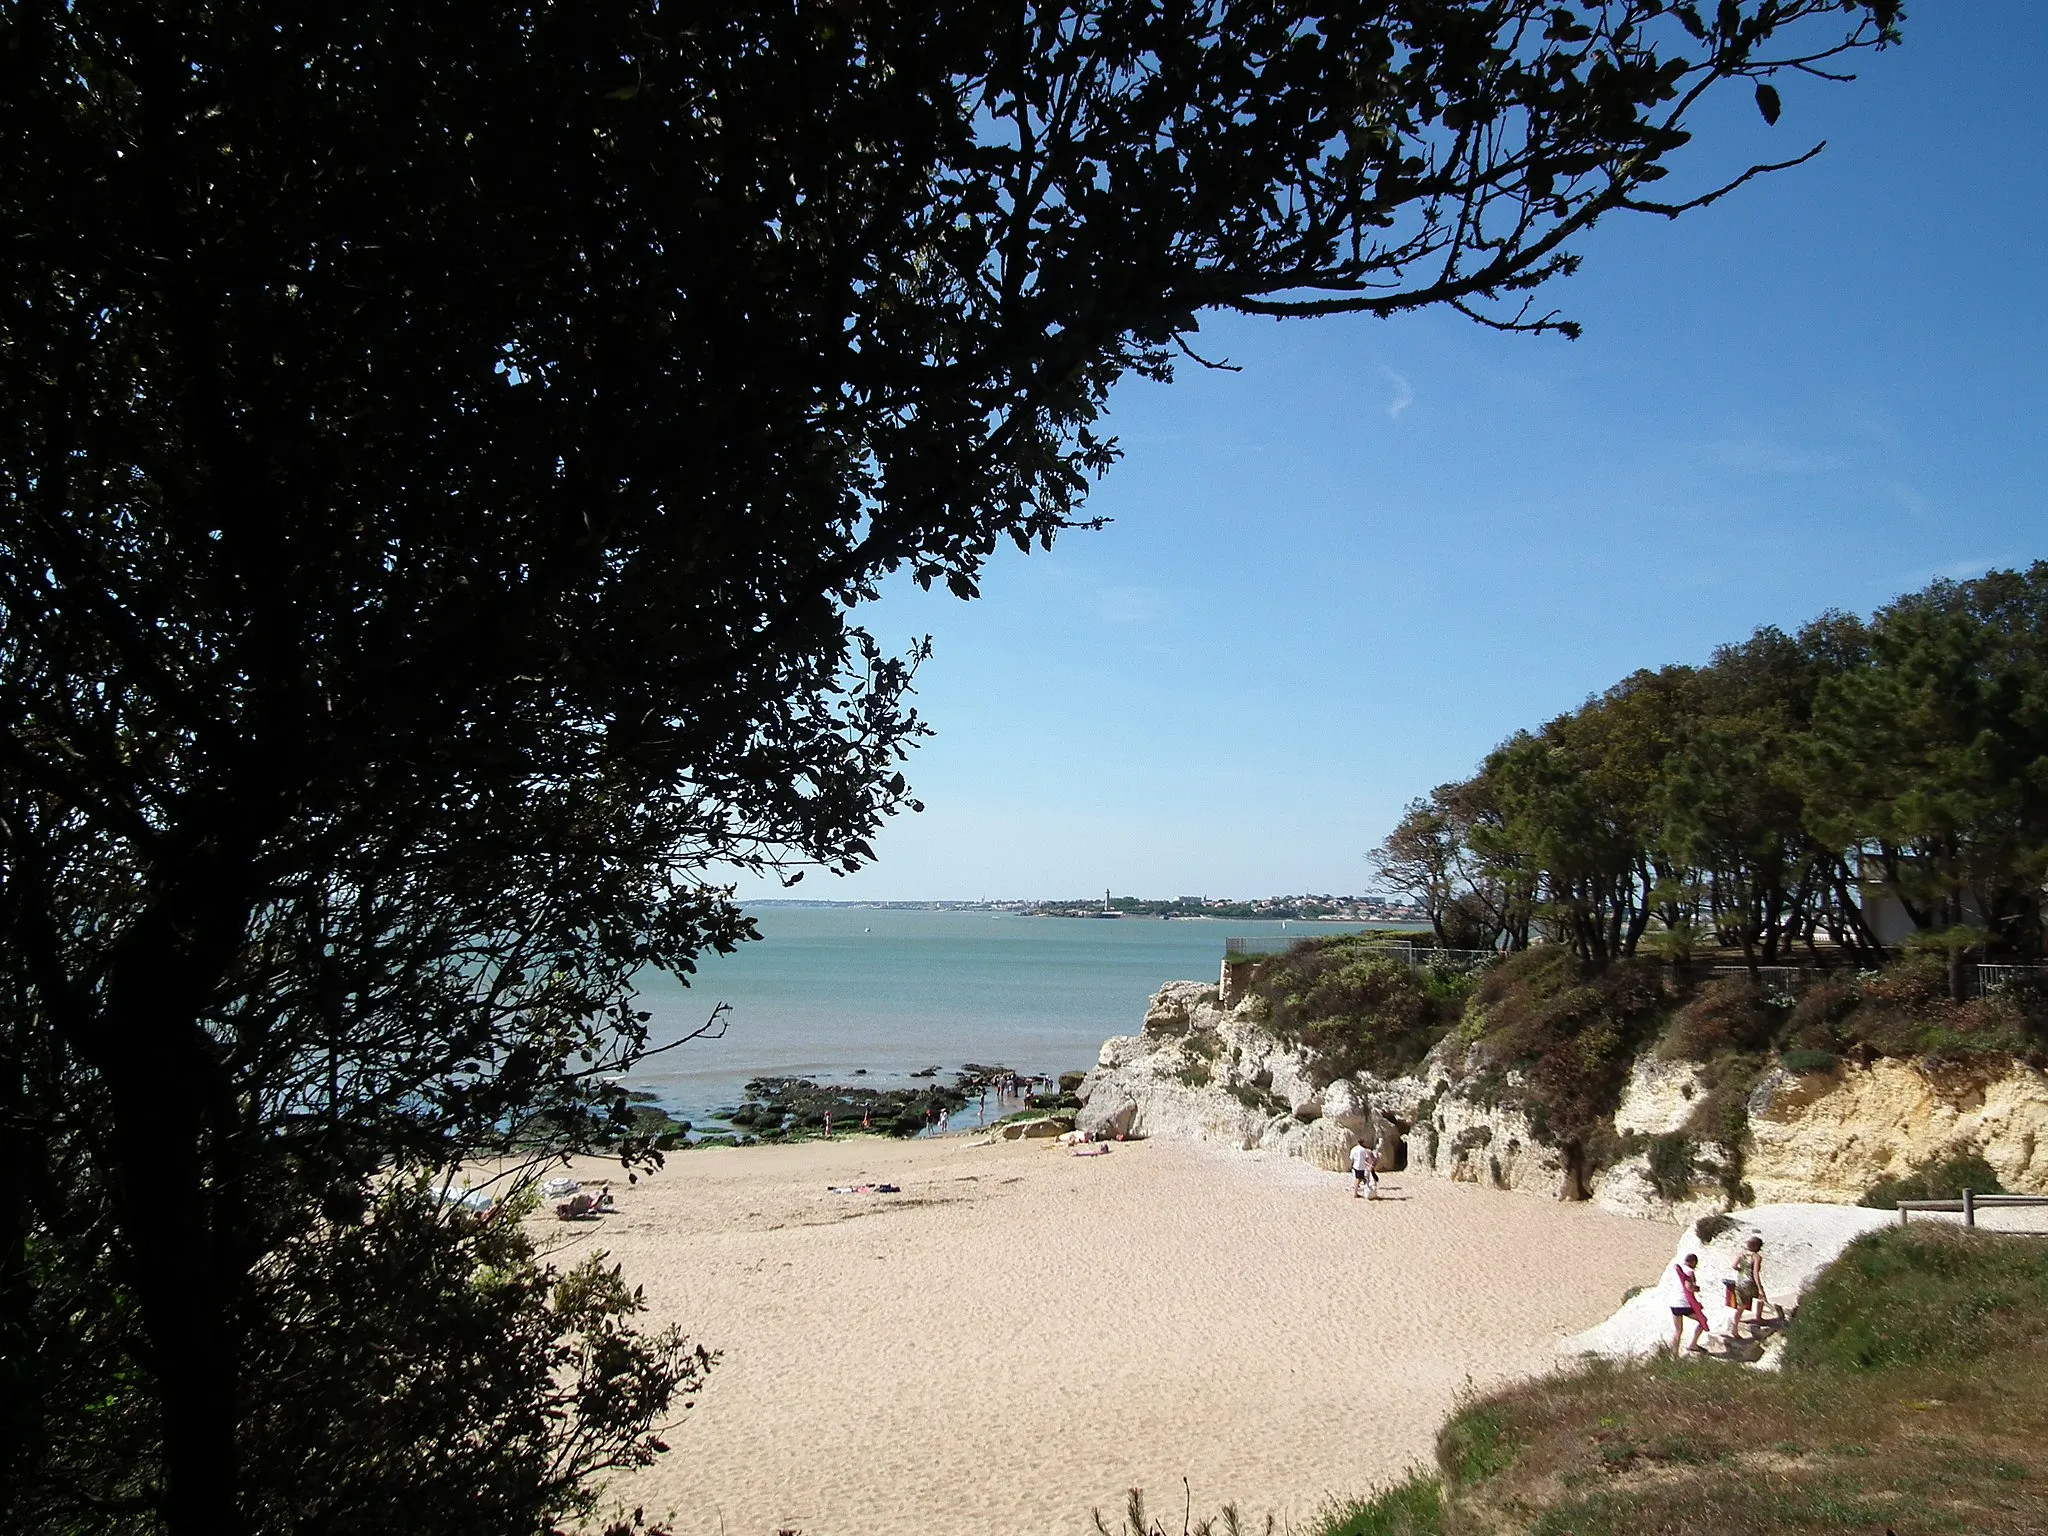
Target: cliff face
{"points": [[1831, 1135], [1202, 1072]]}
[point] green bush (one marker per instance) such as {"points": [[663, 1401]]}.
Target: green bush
{"points": [[1671, 1165], [1412, 1507], [1360, 1010], [1942, 1177], [1929, 1294], [1809, 1061]]}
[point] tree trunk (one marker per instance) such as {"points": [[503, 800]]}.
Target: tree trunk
{"points": [[183, 1276], [1958, 992], [19, 1398]]}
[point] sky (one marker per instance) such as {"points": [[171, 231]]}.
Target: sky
{"points": [[1340, 576]]}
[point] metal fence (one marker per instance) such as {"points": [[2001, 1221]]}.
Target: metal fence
{"points": [[1988, 978], [1393, 949], [1991, 977]]}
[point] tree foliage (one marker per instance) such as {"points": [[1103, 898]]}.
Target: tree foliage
{"points": [[1754, 801], [441, 452]]}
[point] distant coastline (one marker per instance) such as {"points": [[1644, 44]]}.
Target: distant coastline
{"points": [[1310, 909]]}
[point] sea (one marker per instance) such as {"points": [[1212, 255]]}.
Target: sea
{"points": [[870, 995]]}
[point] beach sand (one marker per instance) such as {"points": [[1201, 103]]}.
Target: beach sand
{"points": [[1022, 1334]]}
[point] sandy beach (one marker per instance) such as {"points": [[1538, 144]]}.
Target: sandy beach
{"points": [[1022, 1334]]}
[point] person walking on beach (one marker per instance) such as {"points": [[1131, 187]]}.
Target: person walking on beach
{"points": [[1688, 1272], [1365, 1172], [1746, 1285]]}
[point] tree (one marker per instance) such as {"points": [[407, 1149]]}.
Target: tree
{"points": [[1932, 760], [441, 452], [1729, 807], [1576, 820], [496, 1385], [1442, 853]]}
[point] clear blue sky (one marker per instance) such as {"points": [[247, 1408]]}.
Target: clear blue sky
{"points": [[1339, 577]]}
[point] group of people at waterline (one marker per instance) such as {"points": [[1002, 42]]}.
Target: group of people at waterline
{"points": [[1742, 1290]]}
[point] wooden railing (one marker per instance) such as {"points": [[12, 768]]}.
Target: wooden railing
{"points": [[1393, 949], [1970, 1204]]}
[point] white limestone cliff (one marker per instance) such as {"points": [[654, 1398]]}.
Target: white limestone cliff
{"points": [[1199, 1071]]}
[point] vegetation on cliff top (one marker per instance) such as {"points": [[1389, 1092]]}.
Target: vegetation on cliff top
{"points": [[1359, 1008], [1914, 1399], [1746, 804], [1548, 1034]]}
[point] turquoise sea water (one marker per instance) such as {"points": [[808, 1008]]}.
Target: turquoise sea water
{"points": [[829, 990]]}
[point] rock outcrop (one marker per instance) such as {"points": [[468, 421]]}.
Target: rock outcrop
{"points": [[1831, 1135], [1800, 1240], [1200, 1071]]}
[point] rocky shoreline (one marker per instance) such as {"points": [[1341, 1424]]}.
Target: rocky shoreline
{"points": [[1198, 1071]]}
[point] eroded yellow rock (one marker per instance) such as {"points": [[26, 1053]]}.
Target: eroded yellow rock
{"points": [[1829, 1136]]}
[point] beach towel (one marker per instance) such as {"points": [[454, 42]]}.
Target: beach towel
{"points": [[1689, 1294]]}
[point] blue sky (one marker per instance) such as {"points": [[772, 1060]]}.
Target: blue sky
{"points": [[1337, 578]]}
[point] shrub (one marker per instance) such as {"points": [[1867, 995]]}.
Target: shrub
{"points": [[1809, 1061], [1923, 1295], [1721, 1115], [1573, 1033], [1817, 1011], [1943, 1176], [1727, 1014], [1905, 1011], [1412, 1507], [1358, 1010], [1671, 1165]]}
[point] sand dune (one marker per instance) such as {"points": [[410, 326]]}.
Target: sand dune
{"points": [[1021, 1334]]}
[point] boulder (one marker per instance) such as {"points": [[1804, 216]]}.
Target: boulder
{"points": [[1628, 1190], [1325, 1144], [1107, 1119], [1118, 1051], [1660, 1096], [1293, 1085], [1173, 1007], [1344, 1105], [1033, 1130]]}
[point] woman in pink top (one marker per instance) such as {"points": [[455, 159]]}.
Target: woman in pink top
{"points": [[1688, 1272]]}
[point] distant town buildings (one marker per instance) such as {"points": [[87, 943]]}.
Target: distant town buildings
{"points": [[1331, 908]]}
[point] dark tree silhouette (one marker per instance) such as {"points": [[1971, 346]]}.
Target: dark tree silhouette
{"points": [[441, 448]]}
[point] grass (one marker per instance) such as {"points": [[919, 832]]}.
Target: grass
{"points": [[1412, 1507], [1914, 1398], [1926, 1297]]}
